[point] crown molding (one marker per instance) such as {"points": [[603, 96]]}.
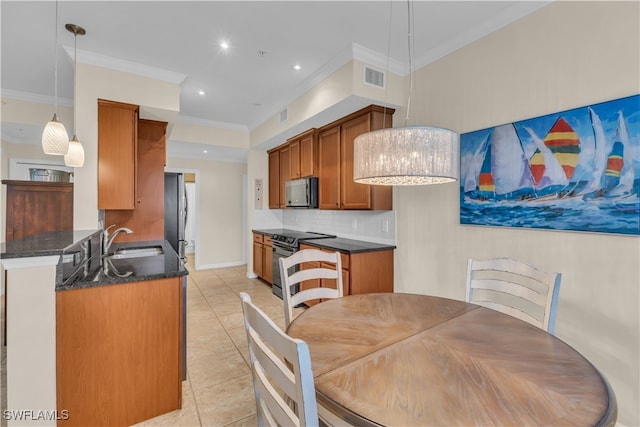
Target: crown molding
{"points": [[379, 60], [34, 97], [86, 57]]}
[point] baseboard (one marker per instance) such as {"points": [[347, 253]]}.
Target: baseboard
{"points": [[220, 265]]}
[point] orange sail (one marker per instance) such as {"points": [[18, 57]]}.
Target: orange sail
{"points": [[564, 143]]}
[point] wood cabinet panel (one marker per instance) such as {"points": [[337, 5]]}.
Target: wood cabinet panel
{"points": [[37, 207], [363, 272], [284, 174], [354, 195], [274, 179], [118, 356], [147, 219], [294, 159], [267, 263], [308, 153], [258, 259], [117, 145], [329, 168]]}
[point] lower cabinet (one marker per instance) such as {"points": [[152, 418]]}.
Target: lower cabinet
{"points": [[263, 257], [362, 272], [119, 357]]}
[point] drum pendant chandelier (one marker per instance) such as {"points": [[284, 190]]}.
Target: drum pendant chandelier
{"points": [[407, 155], [55, 140]]}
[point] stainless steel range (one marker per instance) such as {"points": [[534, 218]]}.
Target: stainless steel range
{"points": [[284, 245]]}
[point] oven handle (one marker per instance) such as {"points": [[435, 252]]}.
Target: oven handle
{"points": [[282, 249]]}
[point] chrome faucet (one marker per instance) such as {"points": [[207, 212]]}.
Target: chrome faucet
{"points": [[107, 239]]}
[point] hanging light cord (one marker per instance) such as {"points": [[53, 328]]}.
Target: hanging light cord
{"points": [[55, 71], [410, 49], [75, 82]]}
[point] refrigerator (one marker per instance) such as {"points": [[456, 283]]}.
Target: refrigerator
{"points": [[175, 211], [175, 221]]}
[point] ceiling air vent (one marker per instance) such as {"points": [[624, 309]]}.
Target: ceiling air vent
{"points": [[283, 115], [373, 77]]}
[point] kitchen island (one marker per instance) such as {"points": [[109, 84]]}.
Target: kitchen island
{"points": [[102, 349]]}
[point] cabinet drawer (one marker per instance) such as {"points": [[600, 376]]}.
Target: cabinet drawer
{"points": [[267, 240], [258, 238]]}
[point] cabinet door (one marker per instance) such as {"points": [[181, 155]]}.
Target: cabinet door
{"points": [[258, 260], [354, 196], [274, 179], [147, 219], [267, 263], [294, 159], [329, 168], [117, 145], [308, 156], [284, 173]]}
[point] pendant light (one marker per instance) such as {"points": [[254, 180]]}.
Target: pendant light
{"points": [[407, 155], [75, 156], [55, 139]]}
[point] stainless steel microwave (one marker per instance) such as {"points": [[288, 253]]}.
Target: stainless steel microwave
{"points": [[302, 193]]}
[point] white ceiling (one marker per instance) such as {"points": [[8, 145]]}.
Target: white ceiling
{"points": [[179, 40]]}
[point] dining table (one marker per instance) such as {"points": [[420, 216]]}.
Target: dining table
{"points": [[396, 359]]}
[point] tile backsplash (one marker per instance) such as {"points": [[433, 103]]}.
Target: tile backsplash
{"points": [[372, 226]]}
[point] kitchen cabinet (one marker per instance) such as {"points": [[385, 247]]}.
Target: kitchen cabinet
{"points": [[303, 161], [335, 162], [117, 147], [147, 219], [362, 272], [263, 257], [297, 158], [118, 352], [35, 207], [274, 179]]}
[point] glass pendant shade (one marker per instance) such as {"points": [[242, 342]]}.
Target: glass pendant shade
{"points": [[406, 156], [55, 139], [75, 156]]}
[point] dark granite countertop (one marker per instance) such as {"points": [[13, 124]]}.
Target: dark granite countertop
{"points": [[137, 269], [348, 246], [272, 231], [44, 244]]}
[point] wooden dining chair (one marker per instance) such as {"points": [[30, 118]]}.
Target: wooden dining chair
{"points": [[279, 362], [515, 288], [313, 271]]}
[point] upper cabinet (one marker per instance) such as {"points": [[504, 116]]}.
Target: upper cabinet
{"points": [[335, 163], [303, 161], [147, 219], [328, 154], [298, 158], [117, 148]]}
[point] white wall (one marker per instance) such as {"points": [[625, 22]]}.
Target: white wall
{"points": [[220, 207], [568, 54]]}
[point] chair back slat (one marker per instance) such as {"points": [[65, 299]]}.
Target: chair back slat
{"points": [[305, 274], [515, 288]]}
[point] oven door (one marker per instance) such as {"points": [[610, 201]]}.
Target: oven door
{"points": [[281, 251]]}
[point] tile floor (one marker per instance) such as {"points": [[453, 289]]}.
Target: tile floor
{"points": [[219, 387]]}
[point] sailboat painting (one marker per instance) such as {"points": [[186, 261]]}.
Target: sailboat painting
{"points": [[576, 170]]}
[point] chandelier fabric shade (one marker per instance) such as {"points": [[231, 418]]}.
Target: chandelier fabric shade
{"points": [[406, 156], [55, 140]]}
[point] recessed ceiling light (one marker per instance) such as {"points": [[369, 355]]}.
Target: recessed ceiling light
{"points": [[224, 45], [205, 151], [200, 92], [297, 67]]}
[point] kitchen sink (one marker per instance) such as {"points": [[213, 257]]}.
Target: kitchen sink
{"points": [[136, 252]]}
